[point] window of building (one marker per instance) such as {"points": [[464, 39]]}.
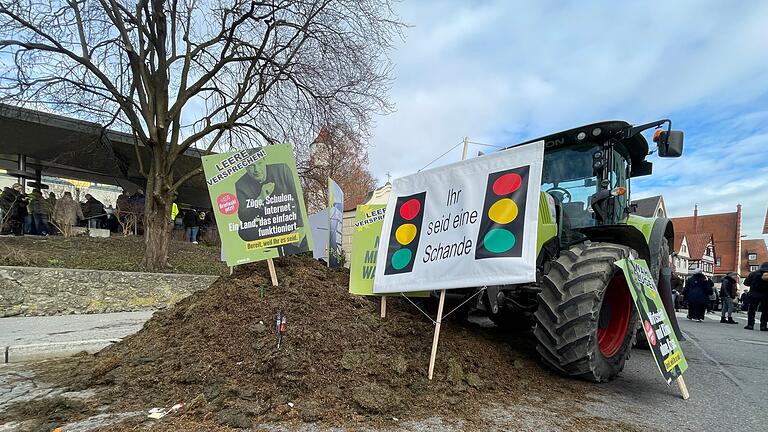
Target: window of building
{"points": [[753, 268], [717, 261], [685, 249], [752, 256]]}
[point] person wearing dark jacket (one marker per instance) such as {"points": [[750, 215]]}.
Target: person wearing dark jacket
{"points": [[266, 185], [93, 210], [40, 212], [14, 202], [757, 281], [697, 291], [727, 296], [677, 286], [191, 225]]}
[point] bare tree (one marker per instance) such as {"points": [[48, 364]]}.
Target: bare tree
{"points": [[339, 153], [210, 74]]}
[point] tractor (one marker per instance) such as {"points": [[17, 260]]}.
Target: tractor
{"points": [[580, 307]]}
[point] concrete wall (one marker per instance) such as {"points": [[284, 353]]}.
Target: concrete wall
{"points": [[52, 291]]}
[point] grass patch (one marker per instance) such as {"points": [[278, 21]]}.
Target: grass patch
{"points": [[114, 253]]}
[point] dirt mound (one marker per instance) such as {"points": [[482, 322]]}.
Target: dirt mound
{"points": [[216, 351]]}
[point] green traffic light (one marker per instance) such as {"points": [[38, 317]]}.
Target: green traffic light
{"points": [[498, 240], [401, 258]]}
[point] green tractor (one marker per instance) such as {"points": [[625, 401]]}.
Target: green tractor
{"points": [[585, 321]]}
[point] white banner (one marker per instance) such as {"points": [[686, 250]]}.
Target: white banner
{"points": [[318, 224], [468, 224]]}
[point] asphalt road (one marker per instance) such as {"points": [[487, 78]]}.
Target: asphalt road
{"points": [[727, 379], [31, 338]]}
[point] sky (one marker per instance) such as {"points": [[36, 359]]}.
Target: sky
{"points": [[502, 72]]}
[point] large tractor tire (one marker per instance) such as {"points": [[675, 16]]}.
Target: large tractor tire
{"points": [[586, 321]]}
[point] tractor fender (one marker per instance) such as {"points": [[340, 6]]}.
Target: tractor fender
{"points": [[662, 230], [622, 234]]}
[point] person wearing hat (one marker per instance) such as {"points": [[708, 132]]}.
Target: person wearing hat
{"points": [[697, 291], [727, 296], [757, 281]]}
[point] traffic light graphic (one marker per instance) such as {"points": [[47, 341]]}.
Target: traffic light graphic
{"points": [[502, 222], [405, 233]]}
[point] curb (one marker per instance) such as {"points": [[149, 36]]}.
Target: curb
{"points": [[22, 353]]}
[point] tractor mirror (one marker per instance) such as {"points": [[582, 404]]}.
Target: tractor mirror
{"points": [[673, 147]]}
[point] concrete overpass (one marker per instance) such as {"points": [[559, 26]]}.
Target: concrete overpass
{"points": [[33, 143]]}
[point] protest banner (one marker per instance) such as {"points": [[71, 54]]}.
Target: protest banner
{"points": [[335, 223], [258, 203], [318, 224], [467, 224], [366, 235], [655, 323]]}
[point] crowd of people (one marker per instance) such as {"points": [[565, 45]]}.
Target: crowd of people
{"points": [[195, 224], [33, 213], [699, 295]]}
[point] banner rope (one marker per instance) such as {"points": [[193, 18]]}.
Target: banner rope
{"points": [[420, 310], [465, 301], [438, 158]]}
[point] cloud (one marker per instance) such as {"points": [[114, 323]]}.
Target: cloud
{"points": [[501, 72]]}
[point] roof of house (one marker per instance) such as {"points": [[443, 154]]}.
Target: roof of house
{"points": [[765, 224], [647, 206], [697, 244], [755, 246], [679, 236], [724, 228]]}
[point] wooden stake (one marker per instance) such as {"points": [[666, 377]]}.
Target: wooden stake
{"points": [[437, 333], [383, 306], [682, 387], [272, 273], [231, 270]]}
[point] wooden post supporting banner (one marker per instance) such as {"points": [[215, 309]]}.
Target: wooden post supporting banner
{"points": [[231, 270], [682, 387], [437, 333], [436, 337], [272, 273], [383, 306]]}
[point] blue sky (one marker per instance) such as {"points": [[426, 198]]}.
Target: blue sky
{"points": [[501, 72]]}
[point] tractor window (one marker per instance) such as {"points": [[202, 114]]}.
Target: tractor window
{"points": [[568, 176]]}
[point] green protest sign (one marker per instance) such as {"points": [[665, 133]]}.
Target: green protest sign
{"points": [[259, 206], [655, 322], [366, 234]]}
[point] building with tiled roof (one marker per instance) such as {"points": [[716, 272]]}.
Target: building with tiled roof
{"points": [[754, 253], [725, 229], [692, 251], [650, 207]]}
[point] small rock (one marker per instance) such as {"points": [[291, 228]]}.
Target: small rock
{"points": [[473, 380], [399, 365], [211, 391], [375, 398], [259, 328], [233, 418], [455, 372]]}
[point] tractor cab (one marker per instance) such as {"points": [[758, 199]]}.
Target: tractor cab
{"points": [[587, 171]]}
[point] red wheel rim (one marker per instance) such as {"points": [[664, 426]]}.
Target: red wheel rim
{"points": [[615, 313]]}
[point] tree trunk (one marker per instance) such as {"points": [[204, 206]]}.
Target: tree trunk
{"points": [[157, 217]]}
